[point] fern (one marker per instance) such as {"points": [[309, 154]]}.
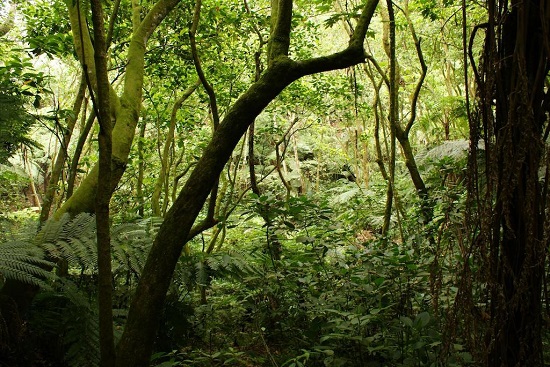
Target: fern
{"points": [[70, 239], [68, 310], [71, 315], [25, 262], [201, 268], [130, 245], [74, 240]]}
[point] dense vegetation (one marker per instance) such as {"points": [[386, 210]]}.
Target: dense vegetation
{"points": [[274, 183]]}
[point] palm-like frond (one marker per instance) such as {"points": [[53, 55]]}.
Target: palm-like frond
{"points": [[201, 268], [24, 262]]}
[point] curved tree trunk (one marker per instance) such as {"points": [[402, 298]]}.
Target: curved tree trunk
{"points": [[135, 346]]}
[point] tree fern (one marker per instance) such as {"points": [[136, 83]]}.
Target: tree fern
{"points": [[67, 310], [70, 239]]}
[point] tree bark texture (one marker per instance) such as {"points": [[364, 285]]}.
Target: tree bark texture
{"points": [[104, 191]]}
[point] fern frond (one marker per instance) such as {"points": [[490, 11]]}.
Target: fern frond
{"points": [[71, 313], [130, 245], [81, 225], [24, 262], [85, 249], [51, 230]]}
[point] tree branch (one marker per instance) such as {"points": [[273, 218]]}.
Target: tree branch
{"points": [[352, 55], [154, 17], [279, 41], [423, 66]]}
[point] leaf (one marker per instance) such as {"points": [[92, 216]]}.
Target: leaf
{"points": [[378, 281], [466, 357], [421, 320], [305, 239], [289, 224], [406, 321], [345, 196]]}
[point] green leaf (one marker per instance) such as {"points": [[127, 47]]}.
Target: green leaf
{"points": [[406, 321], [421, 320]]}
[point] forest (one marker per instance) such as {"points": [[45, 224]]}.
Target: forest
{"points": [[277, 183]]}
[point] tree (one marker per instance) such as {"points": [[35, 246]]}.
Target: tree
{"points": [[104, 188], [125, 108], [124, 111], [20, 87], [136, 343], [514, 104]]}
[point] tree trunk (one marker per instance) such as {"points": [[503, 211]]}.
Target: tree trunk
{"points": [[389, 46], [136, 344], [141, 171], [104, 192], [514, 104], [73, 169], [126, 108]]}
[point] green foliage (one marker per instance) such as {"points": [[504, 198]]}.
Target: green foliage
{"points": [[25, 263], [12, 184], [15, 124], [66, 318], [47, 28], [20, 85], [303, 278], [74, 241], [66, 308]]}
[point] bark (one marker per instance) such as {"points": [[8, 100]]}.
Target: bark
{"points": [[141, 172], [514, 102], [104, 192], [389, 47], [136, 343]]}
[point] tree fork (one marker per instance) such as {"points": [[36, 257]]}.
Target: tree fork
{"points": [[135, 346]]}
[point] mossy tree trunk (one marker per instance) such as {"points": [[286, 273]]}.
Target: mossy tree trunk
{"points": [[135, 346], [125, 108], [101, 103], [124, 113]]}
